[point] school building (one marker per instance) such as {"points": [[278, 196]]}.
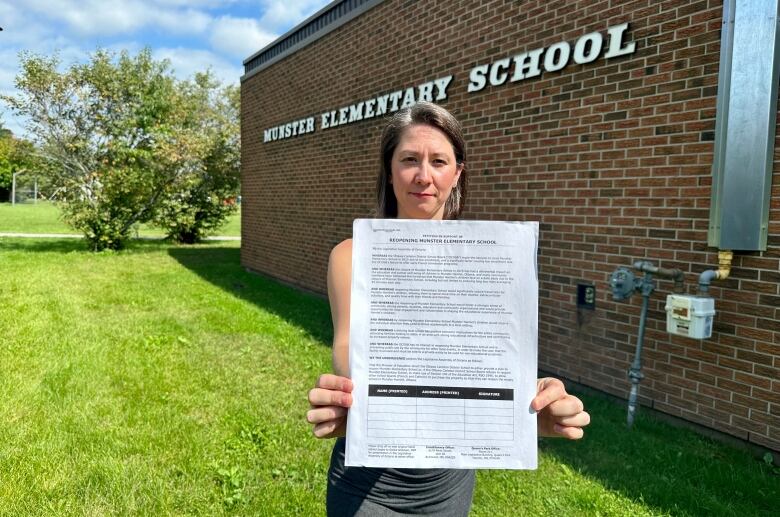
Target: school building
{"points": [[631, 130]]}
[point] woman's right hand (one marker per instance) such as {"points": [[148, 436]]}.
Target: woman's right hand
{"points": [[330, 400]]}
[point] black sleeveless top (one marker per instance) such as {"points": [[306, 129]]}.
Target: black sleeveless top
{"points": [[354, 491]]}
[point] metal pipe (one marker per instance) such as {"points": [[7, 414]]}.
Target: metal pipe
{"points": [[624, 284], [675, 274], [705, 278], [635, 374], [723, 271], [13, 189]]}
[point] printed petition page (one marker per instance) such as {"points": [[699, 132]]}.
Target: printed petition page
{"points": [[443, 344]]}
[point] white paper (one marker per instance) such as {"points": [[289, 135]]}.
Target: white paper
{"points": [[443, 344]]}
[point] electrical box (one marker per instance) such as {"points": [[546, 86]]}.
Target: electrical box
{"points": [[586, 296], [690, 316]]}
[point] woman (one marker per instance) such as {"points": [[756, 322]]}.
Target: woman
{"points": [[422, 176]]}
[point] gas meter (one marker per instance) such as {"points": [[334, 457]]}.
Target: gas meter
{"points": [[623, 283], [690, 316]]}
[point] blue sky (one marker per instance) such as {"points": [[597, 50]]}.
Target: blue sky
{"points": [[192, 34]]}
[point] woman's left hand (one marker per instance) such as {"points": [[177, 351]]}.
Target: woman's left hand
{"points": [[559, 414]]}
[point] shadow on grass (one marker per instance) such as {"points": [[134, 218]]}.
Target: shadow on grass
{"points": [[70, 245], [221, 266], [50, 245], [671, 470]]}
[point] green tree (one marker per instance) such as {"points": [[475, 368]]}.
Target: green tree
{"points": [[202, 197], [16, 155], [113, 133], [6, 172], [6, 167]]}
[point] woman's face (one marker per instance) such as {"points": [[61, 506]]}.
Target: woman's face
{"points": [[423, 172]]}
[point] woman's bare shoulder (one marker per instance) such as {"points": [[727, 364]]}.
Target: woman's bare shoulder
{"points": [[342, 251], [340, 269]]}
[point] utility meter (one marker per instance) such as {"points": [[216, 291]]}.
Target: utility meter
{"points": [[623, 283], [690, 316]]}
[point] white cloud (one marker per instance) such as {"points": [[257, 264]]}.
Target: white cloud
{"points": [[193, 34], [239, 37], [7, 74], [200, 3], [188, 21], [7, 12], [286, 14], [18, 30], [97, 17], [7, 77], [186, 62], [89, 17]]}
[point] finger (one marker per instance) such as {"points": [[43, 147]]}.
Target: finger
{"points": [[565, 407], [329, 381], [551, 390], [323, 414], [579, 420], [324, 397], [572, 433], [326, 428]]}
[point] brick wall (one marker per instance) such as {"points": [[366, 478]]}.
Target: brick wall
{"points": [[612, 157]]}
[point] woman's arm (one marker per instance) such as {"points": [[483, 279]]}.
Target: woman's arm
{"points": [[339, 290], [332, 395]]}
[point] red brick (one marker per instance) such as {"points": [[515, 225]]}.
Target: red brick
{"points": [[750, 425], [606, 192]]}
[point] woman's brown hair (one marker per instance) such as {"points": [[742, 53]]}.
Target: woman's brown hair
{"points": [[432, 115]]}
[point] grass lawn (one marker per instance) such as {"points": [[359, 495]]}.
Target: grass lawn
{"points": [[165, 380], [44, 217]]}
